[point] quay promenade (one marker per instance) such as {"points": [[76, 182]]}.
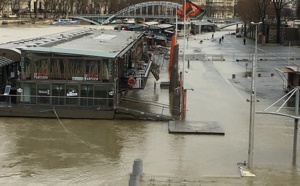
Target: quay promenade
{"points": [[217, 77], [218, 93]]}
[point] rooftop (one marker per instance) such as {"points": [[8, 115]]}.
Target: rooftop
{"points": [[100, 43]]}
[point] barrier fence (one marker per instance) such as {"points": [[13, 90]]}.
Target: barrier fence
{"points": [[240, 57]]}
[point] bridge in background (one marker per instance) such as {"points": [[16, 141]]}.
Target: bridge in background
{"points": [[146, 10], [234, 22]]}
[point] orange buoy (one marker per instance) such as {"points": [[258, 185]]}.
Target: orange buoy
{"points": [[131, 81]]}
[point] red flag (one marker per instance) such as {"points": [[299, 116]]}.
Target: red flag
{"points": [[190, 9], [180, 14]]}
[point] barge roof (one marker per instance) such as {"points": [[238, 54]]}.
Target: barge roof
{"points": [[4, 61], [98, 43]]}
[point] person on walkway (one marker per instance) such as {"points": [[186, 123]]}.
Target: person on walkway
{"points": [[212, 36], [201, 42], [220, 40], [244, 40]]}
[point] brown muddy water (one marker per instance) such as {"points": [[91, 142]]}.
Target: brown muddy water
{"points": [[101, 152]]}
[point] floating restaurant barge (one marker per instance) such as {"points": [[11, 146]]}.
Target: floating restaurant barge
{"points": [[76, 74]]}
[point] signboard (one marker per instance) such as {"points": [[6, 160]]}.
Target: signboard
{"points": [[72, 92], [40, 75], [44, 92], [91, 77]]}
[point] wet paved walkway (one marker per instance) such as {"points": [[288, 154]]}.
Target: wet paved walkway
{"points": [[219, 98]]}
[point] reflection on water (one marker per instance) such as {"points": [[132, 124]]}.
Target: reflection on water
{"points": [[88, 151], [39, 146]]}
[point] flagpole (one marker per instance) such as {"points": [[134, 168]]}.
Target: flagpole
{"points": [[184, 28], [183, 71], [176, 25]]}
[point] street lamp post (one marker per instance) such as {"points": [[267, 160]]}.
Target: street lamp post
{"points": [[252, 104]]}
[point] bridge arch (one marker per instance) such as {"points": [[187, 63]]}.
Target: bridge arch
{"points": [[230, 24], [84, 19], [139, 6]]}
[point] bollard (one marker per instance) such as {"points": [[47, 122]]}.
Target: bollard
{"points": [[272, 74], [134, 180], [137, 171], [137, 167], [154, 85], [188, 64], [233, 76]]}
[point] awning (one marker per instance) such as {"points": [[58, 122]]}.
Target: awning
{"points": [[288, 69], [4, 61]]}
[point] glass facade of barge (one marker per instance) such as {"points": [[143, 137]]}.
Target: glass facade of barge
{"points": [[71, 94], [61, 80]]}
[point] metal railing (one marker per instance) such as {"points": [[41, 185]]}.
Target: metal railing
{"points": [[241, 57], [53, 100]]}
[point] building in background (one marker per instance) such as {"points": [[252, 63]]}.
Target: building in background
{"points": [[220, 8]]}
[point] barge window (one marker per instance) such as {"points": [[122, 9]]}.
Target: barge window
{"points": [[57, 69], [43, 93], [28, 93], [102, 97], [91, 70], [25, 68], [105, 70], [58, 94], [75, 69], [72, 94], [41, 69], [86, 95]]}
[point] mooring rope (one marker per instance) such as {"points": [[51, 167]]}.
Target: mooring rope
{"points": [[60, 120], [74, 135]]}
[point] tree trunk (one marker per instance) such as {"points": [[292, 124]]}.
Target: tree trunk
{"points": [[278, 25], [245, 30]]}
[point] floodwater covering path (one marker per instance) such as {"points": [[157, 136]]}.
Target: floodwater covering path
{"points": [[101, 152]]}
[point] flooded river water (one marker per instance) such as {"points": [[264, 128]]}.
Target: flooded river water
{"points": [[101, 152]]}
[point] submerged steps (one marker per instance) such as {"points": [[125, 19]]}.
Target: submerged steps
{"points": [[195, 127], [142, 115]]}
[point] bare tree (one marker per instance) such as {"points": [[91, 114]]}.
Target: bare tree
{"points": [[98, 5], [81, 6], [246, 10], [67, 6], [279, 5], [298, 10], [53, 4], [3, 5], [262, 7], [13, 5]]}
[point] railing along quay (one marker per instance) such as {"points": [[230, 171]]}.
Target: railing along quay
{"points": [[241, 57]]}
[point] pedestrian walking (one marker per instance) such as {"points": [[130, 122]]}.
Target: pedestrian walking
{"points": [[220, 40], [244, 40], [201, 42], [212, 36]]}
